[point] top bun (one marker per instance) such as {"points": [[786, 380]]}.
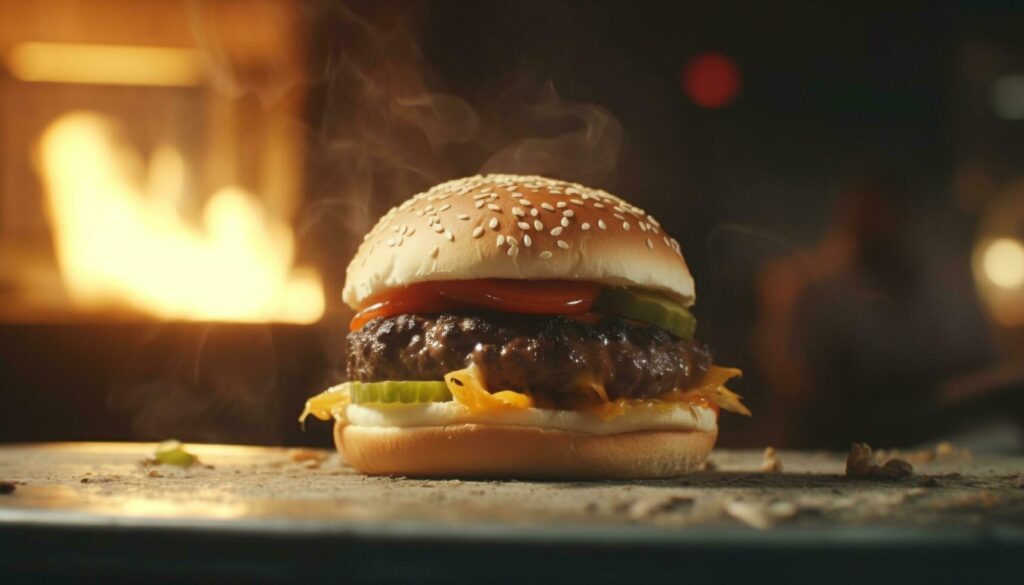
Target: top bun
{"points": [[519, 227]]}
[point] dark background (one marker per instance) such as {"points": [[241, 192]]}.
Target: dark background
{"points": [[854, 128]]}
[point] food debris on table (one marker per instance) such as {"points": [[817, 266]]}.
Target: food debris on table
{"points": [[771, 462], [761, 515], [651, 507], [312, 458], [860, 463], [171, 452]]}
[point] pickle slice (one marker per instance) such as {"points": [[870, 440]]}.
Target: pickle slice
{"points": [[399, 392], [648, 307]]}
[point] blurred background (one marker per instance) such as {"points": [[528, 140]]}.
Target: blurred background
{"points": [[183, 182]]}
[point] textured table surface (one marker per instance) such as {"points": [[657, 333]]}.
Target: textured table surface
{"points": [[953, 500]]}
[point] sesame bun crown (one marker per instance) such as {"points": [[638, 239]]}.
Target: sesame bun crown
{"points": [[518, 227]]}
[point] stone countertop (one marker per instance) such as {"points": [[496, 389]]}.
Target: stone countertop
{"points": [[953, 500]]}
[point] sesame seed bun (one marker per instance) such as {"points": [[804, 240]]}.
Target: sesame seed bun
{"points": [[482, 451], [519, 227]]}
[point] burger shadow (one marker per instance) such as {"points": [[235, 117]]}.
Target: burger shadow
{"points": [[747, 479]]}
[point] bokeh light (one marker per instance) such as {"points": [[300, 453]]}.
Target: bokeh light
{"points": [[711, 80], [1003, 261], [1007, 97]]}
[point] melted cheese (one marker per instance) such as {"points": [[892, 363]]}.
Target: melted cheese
{"points": [[473, 403], [329, 404], [712, 387], [469, 391]]}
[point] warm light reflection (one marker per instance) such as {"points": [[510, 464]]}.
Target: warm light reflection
{"points": [[1003, 262], [121, 239], [105, 64], [172, 508]]}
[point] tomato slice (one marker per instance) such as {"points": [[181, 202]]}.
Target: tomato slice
{"points": [[533, 297]]}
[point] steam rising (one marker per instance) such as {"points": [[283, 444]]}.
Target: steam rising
{"points": [[587, 153], [376, 133]]}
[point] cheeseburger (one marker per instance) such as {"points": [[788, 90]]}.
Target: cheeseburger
{"points": [[519, 326]]}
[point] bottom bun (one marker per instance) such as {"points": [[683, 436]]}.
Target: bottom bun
{"points": [[491, 451]]}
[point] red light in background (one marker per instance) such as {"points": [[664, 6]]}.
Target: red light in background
{"points": [[711, 80]]}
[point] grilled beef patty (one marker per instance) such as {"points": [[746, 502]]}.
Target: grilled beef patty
{"points": [[551, 358]]}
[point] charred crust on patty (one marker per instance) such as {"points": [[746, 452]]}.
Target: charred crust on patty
{"points": [[550, 357]]}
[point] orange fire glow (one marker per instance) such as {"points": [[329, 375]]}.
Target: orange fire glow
{"points": [[121, 239]]}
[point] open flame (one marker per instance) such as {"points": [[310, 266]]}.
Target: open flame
{"points": [[121, 239]]}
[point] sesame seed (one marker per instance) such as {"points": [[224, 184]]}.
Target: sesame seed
{"points": [[479, 204], [568, 213], [444, 207], [449, 235], [513, 251], [501, 241], [479, 231], [598, 205], [575, 201], [481, 196], [517, 195], [523, 225], [643, 226], [525, 202], [411, 231], [493, 207], [434, 251], [625, 225], [512, 241], [547, 206], [395, 229], [584, 226], [493, 224], [561, 204], [428, 208], [545, 255], [537, 225], [517, 212], [438, 228], [463, 216], [527, 241], [565, 222], [391, 243], [556, 232], [619, 216], [534, 212], [562, 244], [601, 224], [650, 244]]}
